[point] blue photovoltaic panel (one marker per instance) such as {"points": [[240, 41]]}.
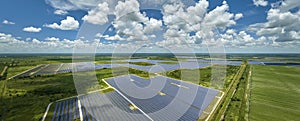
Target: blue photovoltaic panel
{"points": [[51, 69], [65, 110], [193, 98], [97, 107], [110, 106], [179, 102]]}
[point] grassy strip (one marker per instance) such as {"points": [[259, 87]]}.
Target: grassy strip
{"points": [[118, 71], [236, 109], [107, 90], [247, 94], [3, 73], [50, 112], [221, 108], [111, 62], [168, 62], [142, 63]]}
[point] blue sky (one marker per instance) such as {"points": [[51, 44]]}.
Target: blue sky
{"points": [[58, 25]]}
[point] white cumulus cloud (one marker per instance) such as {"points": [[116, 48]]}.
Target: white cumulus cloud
{"points": [[60, 12], [67, 24], [52, 39], [36, 41], [260, 2], [76, 4], [238, 16], [219, 17], [123, 8], [98, 15], [289, 4], [152, 25], [116, 37], [280, 25], [8, 22], [32, 29]]}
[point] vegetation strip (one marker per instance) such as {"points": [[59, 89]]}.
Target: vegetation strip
{"points": [[236, 109], [3, 71], [45, 115], [218, 114], [248, 94]]}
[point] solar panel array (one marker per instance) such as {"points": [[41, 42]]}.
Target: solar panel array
{"points": [[188, 103], [111, 106], [97, 107], [157, 68], [182, 101], [30, 71], [51, 69], [67, 110]]}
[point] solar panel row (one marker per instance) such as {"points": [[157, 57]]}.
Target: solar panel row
{"points": [[48, 70], [156, 68], [175, 100], [188, 103], [30, 72], [88, 66], [97, 107], [51, 69], [110, 106], [66, 110]]}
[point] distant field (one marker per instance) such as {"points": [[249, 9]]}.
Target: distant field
{"points": [[275, 93]]}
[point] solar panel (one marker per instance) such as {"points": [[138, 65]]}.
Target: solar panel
{"points": [[179, 96]]}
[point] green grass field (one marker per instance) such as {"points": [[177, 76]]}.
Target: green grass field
{"points": [[26, 99], [275, 93]]}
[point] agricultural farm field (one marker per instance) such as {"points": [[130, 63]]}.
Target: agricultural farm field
{"points": [[275, 93]]}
